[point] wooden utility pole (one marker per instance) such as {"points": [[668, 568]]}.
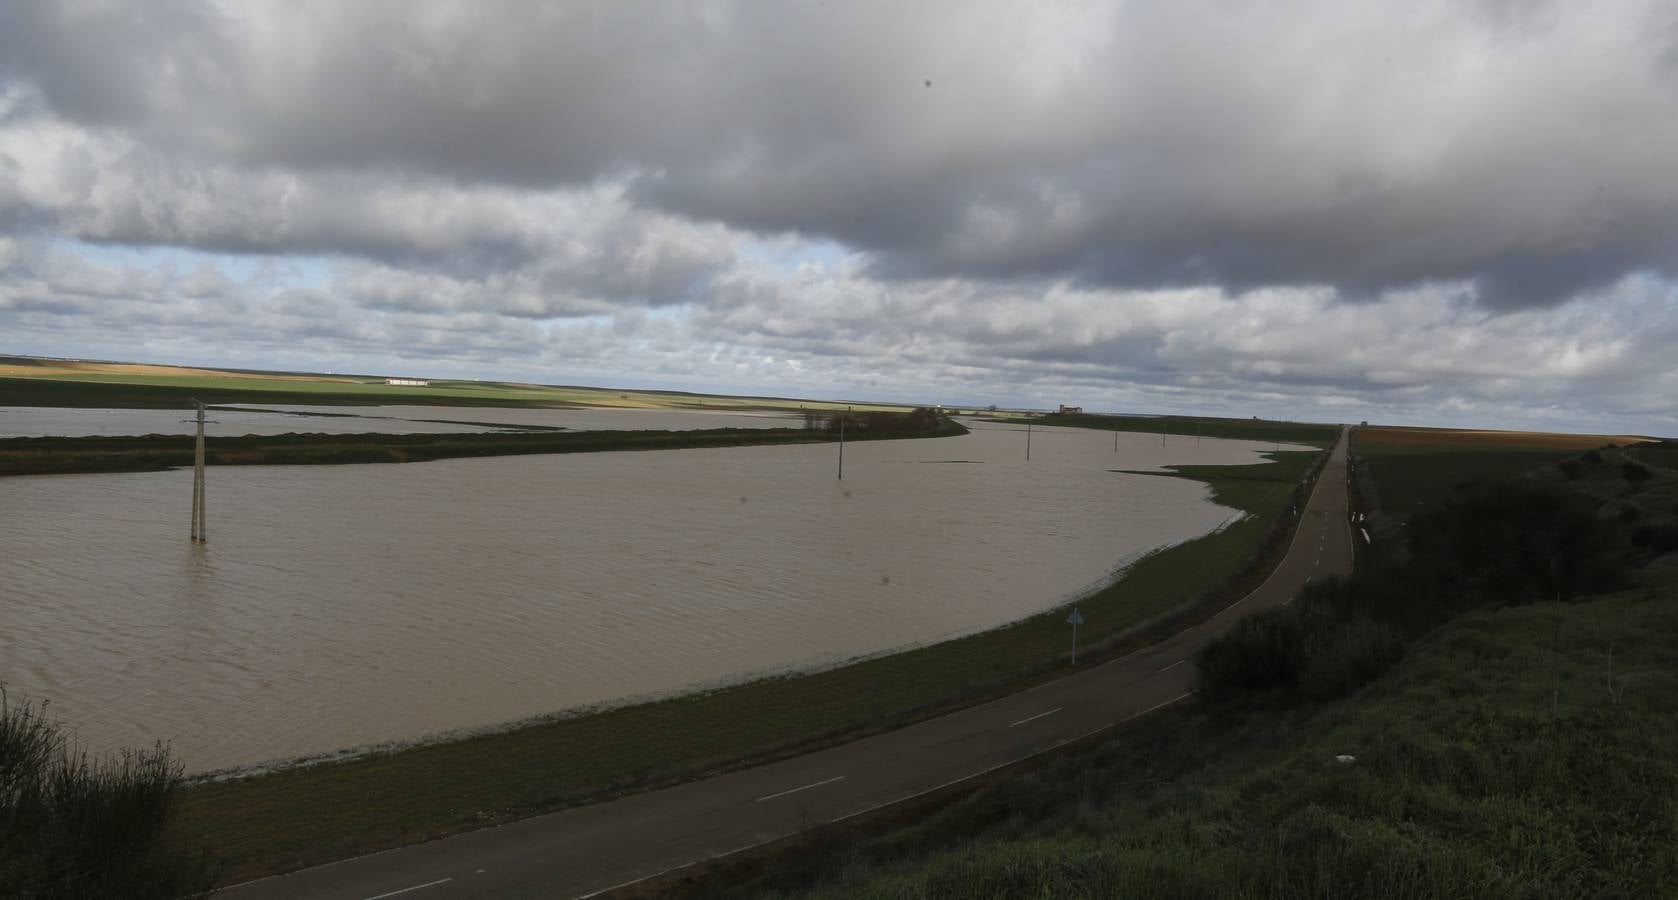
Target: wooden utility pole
{"points": [[1028, 442], [842, 419], [200, 529]]}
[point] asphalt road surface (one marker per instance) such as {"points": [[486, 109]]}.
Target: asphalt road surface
{"points": [[593, 849]]}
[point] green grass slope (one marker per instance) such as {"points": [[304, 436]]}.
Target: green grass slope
{"points": [[1525, 752]]}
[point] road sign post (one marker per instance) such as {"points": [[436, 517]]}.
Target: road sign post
{"points": [[1076, 619]]}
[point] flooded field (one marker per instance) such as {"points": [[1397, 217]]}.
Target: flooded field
{"points": [[32, 421], [346, 605]]}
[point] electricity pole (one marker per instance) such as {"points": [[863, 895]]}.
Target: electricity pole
{"points": [[200, 529], [842, 419]]}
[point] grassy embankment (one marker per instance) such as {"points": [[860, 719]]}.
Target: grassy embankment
{"points": [[310, 815], [61, 455], [1518, 750], [1520, 753], [38, 382]]}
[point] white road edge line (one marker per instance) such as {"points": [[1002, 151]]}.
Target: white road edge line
{"points": [[410, 889], [804, 788], [868, 809], [1170, 667], [1036, 717]]}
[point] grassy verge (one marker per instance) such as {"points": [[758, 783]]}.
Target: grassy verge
{"points": [[310, 815], [1522, 752], [60, 455]]}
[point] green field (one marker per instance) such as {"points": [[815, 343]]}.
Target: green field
{"points": [[1517, 753], [63, 455], [1176, 428], [311, 815]]}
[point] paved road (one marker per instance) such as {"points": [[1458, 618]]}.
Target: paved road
{"points": [[578, 852]]}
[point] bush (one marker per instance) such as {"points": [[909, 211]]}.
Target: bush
{"points": [[1635, 474], [1664, 538], [1326, 643], [1491, 544], [1263, 651], [1570, 468], [1516, 542], [71, 826], [1356, 653]]}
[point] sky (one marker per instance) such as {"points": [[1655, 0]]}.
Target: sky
{"points": [[1444, 213]]}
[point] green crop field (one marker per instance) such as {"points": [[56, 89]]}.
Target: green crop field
{"points": [[1180, 427], [1416, 469]]}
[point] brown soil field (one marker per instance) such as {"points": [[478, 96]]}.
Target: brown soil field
{"points": [[64, 369], [1489, 440]]}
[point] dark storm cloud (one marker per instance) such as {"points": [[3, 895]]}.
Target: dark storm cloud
{"points": [[1521, 147]]}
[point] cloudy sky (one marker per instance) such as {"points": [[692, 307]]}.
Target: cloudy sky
{"points": [[1423, 212]]}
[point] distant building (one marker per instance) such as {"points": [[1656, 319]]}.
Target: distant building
{"points": [[1069, 410], [408, 382]]}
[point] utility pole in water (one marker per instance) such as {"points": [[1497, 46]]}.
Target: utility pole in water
{"points": [[200, 529], [1028, 442], [842, 419]]}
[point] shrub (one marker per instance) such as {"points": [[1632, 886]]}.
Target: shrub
{"points": [[1664, 538], [1635, 474], [1593, 457], [71, 826], [1629, 513], [1570, 468], [1514, 542], [1260, 652], [1313, 645], [1357, 651]]}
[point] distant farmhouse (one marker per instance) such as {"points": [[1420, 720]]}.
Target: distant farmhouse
{"points": [[1069, 410], [408, 382]]}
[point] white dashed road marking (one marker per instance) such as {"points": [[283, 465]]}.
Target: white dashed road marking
{"points": [[804, 788]]}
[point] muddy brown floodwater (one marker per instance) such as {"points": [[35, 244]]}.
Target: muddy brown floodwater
{"points": [[338, 606]]}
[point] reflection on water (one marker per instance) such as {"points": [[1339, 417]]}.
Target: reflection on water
{"points": [[344, 605]]}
